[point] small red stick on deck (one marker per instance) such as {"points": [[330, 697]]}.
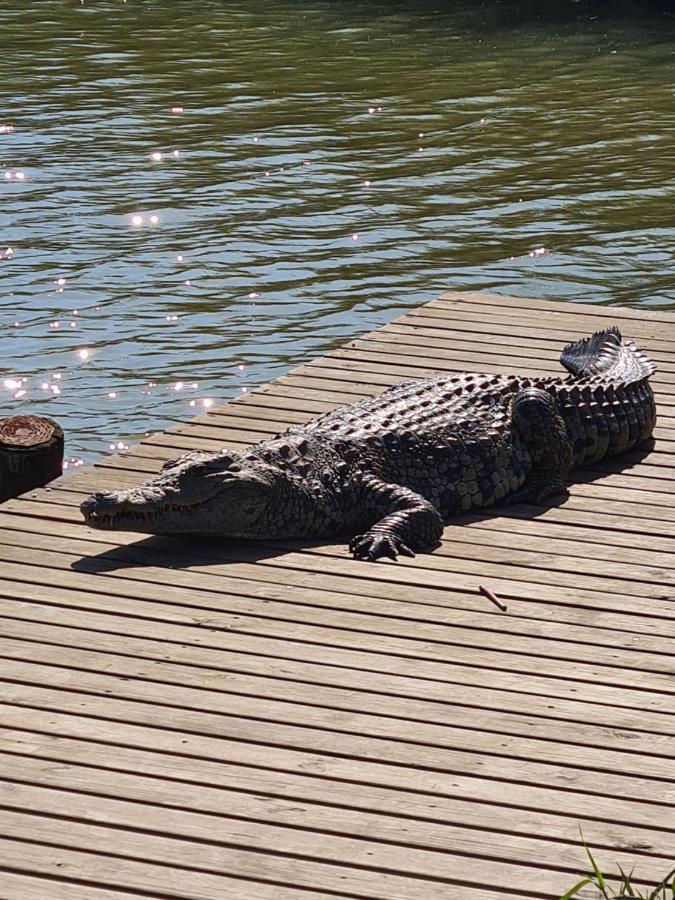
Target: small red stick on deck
{"points": [[486, 592]]}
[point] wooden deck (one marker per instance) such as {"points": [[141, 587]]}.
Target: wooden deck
{"points": [[275, 722]]}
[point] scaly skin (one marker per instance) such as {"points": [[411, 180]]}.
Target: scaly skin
{"points": [[393, 467]]}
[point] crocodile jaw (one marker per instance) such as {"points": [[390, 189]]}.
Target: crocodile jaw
{"points": [[126, 511], [232, 511]]}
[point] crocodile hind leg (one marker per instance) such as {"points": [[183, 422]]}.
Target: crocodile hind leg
{"points": [[408, 522], [536, 420]]}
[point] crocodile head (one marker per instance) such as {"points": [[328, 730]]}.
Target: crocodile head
{"points": [[220, 494]]}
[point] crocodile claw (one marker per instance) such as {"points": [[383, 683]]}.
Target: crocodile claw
{"points": [[539, 491], [377, 546]]}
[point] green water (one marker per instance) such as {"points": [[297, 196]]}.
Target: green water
{"points": [[334, 163]]}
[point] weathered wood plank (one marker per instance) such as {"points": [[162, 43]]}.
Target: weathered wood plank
{"points": [[587, 309], [204, 630], [17, 886], [449, 852], [337, 571], [560, 319], [214, 763], [438, 351], [487, 779], [331, 686], [328, 665], [480, 635], [431, 605], [112, 859], [330, 779], [203, 784], [210, 720]]}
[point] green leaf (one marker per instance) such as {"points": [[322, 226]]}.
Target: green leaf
{"points": [[598, 874], [577, 887], [626, 885], [663, 884]]}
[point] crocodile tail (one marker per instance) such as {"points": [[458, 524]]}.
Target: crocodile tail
{"points": [[604, 354]]}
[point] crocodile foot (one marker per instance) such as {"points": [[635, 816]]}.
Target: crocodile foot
{"points": [[538, 489], [372, 546]]}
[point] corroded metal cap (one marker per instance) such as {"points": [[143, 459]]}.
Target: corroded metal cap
{"points": [[28, 431]]}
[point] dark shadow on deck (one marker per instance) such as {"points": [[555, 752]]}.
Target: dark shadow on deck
{"points": [[191, 551]]}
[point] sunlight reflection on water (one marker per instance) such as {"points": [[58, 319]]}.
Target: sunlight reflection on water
{"points": [[338, 163]]}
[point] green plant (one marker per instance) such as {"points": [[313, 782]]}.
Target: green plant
{"points": [[664, 890]]}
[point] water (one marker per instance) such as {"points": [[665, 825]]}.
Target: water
{"points": [[315, 168]]}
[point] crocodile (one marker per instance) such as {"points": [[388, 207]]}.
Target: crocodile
{"points": [[389, 470]]}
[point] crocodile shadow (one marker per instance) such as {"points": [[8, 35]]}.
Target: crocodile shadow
{"points": [[198, 552]]}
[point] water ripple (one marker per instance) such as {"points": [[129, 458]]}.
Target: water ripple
{"points": [[303, 172]]}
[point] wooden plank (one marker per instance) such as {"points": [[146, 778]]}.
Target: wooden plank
{"points": [[332, 561], [639, 581], [21, 886], [206, 866], [328, 686], [417, 767], [432, 605], [113, 859], [558, 321], [191, 632], [402, 365], [475, 546], [332, 779], [216, 842], [637, 314], [448, 854], [219, 719], [211, 765], [447, 344], [331, 687], [336, 572], [527, 640], [207, 786], [606, 647], [414, 352], [347, 380]]}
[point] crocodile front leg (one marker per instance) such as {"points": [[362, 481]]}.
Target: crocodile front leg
{"points": [[408, 523], [536, 419]]}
